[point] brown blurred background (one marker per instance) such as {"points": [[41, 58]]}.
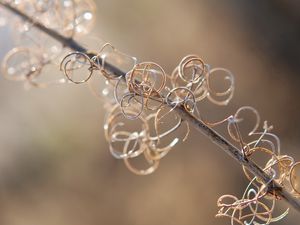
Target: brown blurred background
{"points": [[55, 167]]}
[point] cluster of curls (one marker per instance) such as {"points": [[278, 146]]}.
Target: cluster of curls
{"points": [[37, 50], [258, 201], [142, 123], [148, 95]]}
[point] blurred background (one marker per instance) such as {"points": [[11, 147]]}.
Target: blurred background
{"points": [[55, 167]]}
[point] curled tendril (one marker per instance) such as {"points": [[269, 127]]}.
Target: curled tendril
{"points": [[280, 168], [130, 100], [109, 52], [159, 119], [144, 96], [66, 17], [21, 64], [153, 165], [146, 77], [237, 119], [294, 179], [214, 94], [149, 96], [99, 61], [190, 73], [252, 207], [181, 96], [146, 91], [133, 144], [24, 64], [114, 135], [76, 61], [191, 66]]}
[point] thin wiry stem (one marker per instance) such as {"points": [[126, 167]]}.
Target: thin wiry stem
{"points": [[216, 138]]}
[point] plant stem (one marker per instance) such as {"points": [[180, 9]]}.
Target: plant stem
{"points": [[216, 138]]}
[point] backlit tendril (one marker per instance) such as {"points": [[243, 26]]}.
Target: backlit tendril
{"points": [[213, 95], [281, 168], [74, 65], [252, 208], [37, 50], [142, 97], [24, 64], [21, 64], [69, 17], [147, 97], [142, 124]]}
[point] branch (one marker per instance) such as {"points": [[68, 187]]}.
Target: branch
{"points": [[216, 138]]}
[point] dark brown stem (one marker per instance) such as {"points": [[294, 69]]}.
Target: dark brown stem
{"points": [[216, 138]]}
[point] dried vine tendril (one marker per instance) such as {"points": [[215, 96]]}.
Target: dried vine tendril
{"points": [[148, 95], [142, 125], [252, 207], [37, 50]]}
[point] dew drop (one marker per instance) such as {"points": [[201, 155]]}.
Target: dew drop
{"points": [[88, 16], [105, 92]]}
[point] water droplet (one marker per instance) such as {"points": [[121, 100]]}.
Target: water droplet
{"points": [[105, 92], [88, 16]]}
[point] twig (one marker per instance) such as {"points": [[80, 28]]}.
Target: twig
{"points": [[216, 138]]}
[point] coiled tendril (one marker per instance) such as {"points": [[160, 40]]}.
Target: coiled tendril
{"points": [[149, 95], [37, 50], [145, 99]]}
